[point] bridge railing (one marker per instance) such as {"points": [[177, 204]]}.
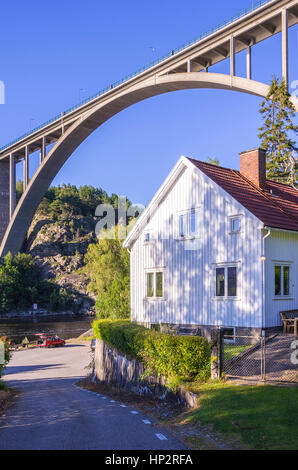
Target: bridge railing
{"points": [[220, 26]]}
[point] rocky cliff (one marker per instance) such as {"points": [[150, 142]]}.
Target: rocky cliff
{"points": [[58, 248]]}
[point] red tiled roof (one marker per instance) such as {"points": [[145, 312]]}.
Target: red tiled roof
{"points": [[276, 206]]}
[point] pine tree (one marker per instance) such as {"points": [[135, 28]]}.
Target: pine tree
{"points": [[277, 111]]}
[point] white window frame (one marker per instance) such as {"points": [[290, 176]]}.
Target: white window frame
{"points": [[225, 266], [154, 271], [283, 264], [231, 219], [187, 213]]}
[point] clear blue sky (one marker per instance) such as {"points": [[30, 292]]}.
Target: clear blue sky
{"points": [[56, 53]]}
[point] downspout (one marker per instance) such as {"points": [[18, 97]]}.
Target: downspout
{"points": [[263, 258]]}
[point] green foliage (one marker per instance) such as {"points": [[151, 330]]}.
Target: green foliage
{"points": [[107, 265], [63, 202], [213, 161], [4, 346], [19, 190], [21, 285], [175, 357], [277, 111]]}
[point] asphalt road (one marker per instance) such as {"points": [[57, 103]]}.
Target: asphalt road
{"points": [[51, 412]]}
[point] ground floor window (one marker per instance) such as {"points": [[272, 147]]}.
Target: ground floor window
{"points": [[281, 280], [226, 281], [154, 284]]}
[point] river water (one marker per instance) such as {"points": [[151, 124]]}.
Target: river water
{"points": [[64, 327]]}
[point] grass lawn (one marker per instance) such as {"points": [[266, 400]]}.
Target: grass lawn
{"points": [[232, 350], [263, 417]]}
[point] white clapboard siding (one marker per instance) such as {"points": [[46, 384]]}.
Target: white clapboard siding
{"points": [[189, 276]]}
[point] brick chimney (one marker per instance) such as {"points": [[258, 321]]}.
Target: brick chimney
{"points": [[253, 166]]}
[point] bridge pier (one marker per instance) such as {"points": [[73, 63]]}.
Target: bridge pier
{"points": [[12, 184], [248, 63], [26, 169], [4, 196], [232, 57]]}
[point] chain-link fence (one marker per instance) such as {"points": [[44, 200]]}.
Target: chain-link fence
{"points": [[255, 359]]}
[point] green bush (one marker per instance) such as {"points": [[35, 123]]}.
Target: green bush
{"points": [[3, 345], [180, 357]]}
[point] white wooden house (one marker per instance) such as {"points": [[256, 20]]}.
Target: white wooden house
{"points": [[216, 247]]}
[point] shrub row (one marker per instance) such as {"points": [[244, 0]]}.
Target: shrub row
{"points": [[181, 357], [4, 354]]}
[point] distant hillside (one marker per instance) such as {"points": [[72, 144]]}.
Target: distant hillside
{"points": [[59, 236]]}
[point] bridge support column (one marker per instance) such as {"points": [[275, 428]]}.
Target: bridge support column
{"points": [[12, 184], [248, 63], [232, 57], [189, 66], [42, 150], [285, 45], [4, 196], [26, 169]]}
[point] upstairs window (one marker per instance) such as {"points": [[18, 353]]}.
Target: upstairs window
{"points": [[281, 280], [183, 225], [188, 224], [193, 230]]}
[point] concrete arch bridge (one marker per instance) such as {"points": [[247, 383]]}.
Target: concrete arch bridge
{"points": [[185, 68]]}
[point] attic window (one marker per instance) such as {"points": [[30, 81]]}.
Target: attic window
{"points": [[235, 224], [147, 237]]}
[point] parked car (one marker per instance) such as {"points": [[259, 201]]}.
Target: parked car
{"points": [[49, 341]]}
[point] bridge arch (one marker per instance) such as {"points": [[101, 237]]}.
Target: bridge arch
{"points": [[94, 118]]}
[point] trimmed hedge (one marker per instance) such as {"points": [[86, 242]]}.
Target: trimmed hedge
{"points": [[181, 357], [4, 348]]}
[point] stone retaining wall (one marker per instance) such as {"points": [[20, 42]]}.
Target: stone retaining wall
{"points": [[111, 367]]}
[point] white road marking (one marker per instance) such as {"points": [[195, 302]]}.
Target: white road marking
{"points": [[161, 437], [146, 421], [112, 401], [134, 413], [123, 406]]}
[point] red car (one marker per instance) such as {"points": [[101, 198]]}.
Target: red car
{"points": [[48, 341]]}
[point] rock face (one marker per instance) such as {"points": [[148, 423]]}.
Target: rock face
{"points": [[111, 367], [58, 248]]}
